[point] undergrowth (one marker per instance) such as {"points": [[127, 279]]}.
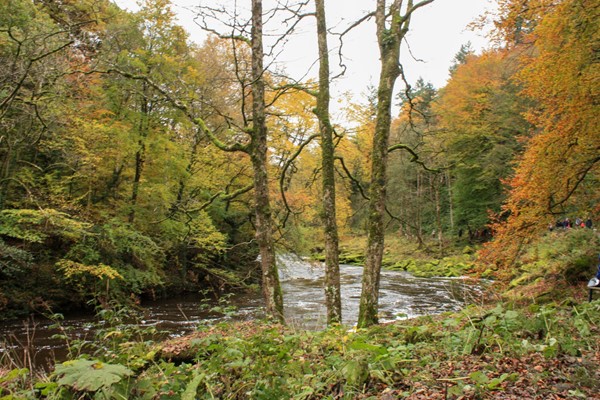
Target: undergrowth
{"points": [[479, 353], [551, 265], [538, 343]]}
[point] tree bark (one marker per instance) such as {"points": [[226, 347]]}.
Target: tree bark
{"points": [[438, 211], [389, 40], [450, 201], [140, 155], [332, 268], [258, 154]]}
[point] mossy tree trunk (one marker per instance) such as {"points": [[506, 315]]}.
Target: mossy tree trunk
{"points": [[258, 153], [392, 26], [332, 268]]}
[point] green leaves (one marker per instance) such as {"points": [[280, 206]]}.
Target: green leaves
{"points": [[90, 375], [192, 387], [36, 225]]}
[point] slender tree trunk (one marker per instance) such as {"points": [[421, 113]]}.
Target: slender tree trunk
{"points": [[438, 212], [390, 52], [140, 155], [182, 254], [333, 299], [419, 213], [450, 201], [258, 153], [389, 40], [5, 173]]}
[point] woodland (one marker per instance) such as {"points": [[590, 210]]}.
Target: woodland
{"points": [[136, 163]]}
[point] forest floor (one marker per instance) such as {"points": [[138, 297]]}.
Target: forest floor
{"points": [[492, 351], [497, 350]]}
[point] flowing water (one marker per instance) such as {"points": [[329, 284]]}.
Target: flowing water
{"points": [[401, 296]]}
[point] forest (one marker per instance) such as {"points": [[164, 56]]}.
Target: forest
{"points": [[136, 164]]}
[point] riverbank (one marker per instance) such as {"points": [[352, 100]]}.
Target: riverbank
{"points": [[400, 254], [483, 352], [401, 295]]}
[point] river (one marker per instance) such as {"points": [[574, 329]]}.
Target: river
{"points": [[401, 296]]}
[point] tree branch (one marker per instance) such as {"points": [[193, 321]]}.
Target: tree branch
{"points": [[580, 177], [352, 178], [199, 122], [414, 158], [284, 171]]}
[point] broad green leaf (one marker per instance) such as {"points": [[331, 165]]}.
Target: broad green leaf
{"points": [[90, 375]]}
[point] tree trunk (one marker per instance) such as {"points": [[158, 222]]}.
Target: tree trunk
{"points": [[332, 268], [438, 211], [450, 201], [140, 155], [258, 153], [5, 172], [390, 53], [419, 210], [389, 40]]}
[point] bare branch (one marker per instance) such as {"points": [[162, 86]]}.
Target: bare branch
{"points": [[352, 178], [415, 156], [405, 19], [284, 171], [341, 35]]}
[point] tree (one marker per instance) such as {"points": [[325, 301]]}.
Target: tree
{"points": [[461, 57], [332, 269], [558, 172], [242, 134], [258, 154], [412, 187], [36, 53], [392, 25]]}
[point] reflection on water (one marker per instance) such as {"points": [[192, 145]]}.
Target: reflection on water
{"points": [[401, 296]]}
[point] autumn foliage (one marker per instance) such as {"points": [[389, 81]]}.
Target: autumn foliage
{"points": [[557, 174]]}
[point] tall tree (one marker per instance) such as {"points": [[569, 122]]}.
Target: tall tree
{"points": [[415, 127], [34, 52], [248, 135], [332, 268], [392, 26], [258, 154]]}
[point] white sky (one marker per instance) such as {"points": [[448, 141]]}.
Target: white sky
{"points": [[437, 32]]}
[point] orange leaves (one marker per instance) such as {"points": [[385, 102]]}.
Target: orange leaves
{"points": [[558, 173]]}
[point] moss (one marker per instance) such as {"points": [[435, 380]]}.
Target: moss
{"points": [[352, 259], [523, 279]]}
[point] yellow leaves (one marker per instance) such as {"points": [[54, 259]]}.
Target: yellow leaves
{"points": [[72, 269]]}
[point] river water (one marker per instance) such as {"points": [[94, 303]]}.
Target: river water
{"points": [[401, 296]]}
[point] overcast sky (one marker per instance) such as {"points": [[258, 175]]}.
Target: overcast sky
{"points": [[437, 32]]}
